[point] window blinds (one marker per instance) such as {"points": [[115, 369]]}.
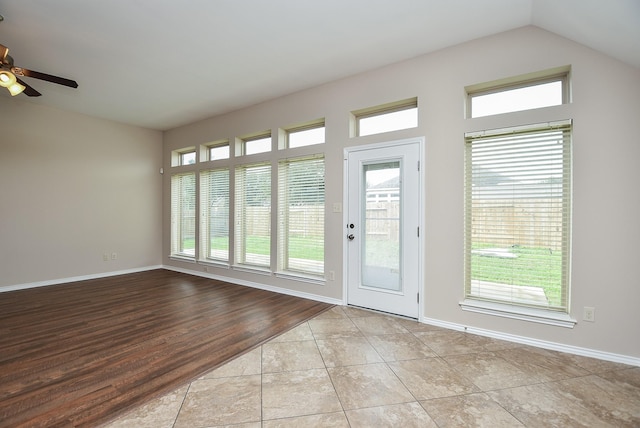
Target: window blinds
{"points": [[253, 215], [301, 215], [214, 215], [517, 208], [183, 214]]}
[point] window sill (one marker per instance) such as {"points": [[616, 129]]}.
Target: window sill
{"points": [[519, 313], [301, 277], [252, 269], [214, 263], [182, 258]]}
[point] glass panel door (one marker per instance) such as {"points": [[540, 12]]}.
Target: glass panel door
{"points": [[383, 243]]}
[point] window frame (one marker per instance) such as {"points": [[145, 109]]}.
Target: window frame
{"points": [[304, 267], [177, 156], [559, 74], [242, 143], [177, 249], [240, 216], [510, 308], [205, 152], [205, 215], [286, 133], [380, 110]]}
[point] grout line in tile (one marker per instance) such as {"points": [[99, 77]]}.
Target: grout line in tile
{"points": [[184, 398]]}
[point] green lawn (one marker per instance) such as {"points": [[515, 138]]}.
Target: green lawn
{"points": [[299, 247], [536, 267]]}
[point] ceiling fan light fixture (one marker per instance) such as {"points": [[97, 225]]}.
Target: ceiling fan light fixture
{"points": [[16, 89], [7, 78]]}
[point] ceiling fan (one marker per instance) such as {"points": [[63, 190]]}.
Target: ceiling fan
{"points": [[10, 80]]}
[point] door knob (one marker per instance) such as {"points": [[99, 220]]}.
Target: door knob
{"points": [[351, 237]]}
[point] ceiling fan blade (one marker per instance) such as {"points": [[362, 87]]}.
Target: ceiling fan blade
{"points": [[4, 51], [29, 91], [44, 76]]}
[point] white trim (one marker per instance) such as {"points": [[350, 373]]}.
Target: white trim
{"points": [[252, 284], [25, 286], [252, 269], [516, 129], [519, 313], [554, 346], [301, 277], [181, 258]]}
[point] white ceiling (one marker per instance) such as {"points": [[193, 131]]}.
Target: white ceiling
{"points": [[165, 63]]}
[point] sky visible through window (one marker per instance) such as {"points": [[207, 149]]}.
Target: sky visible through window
{"points": [[306, 137], [259, 145], [386, 122], [530, 97]]}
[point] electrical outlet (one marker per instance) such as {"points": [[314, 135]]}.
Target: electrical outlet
{"points": [[589, 314], [105, 257], [114, 256]]}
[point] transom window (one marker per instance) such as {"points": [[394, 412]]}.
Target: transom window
{"points": [[305, 135], [216, 151], [186, 156], [386, 118], [257, 144], [545, 89]]}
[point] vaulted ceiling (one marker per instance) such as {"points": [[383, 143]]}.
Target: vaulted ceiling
{"points": [[160, 64]]}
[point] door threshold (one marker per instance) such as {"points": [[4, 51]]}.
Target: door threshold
{"points": [[376, 311]]}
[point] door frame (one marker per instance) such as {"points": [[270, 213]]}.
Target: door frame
{"points": [[345, 214]]}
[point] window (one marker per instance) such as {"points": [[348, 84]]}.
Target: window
{"points": [[543, 89], [518, 216], [301, 215], [253, 215], [305, 135], [386, 118], [214, 214], [188, 158], [183, 215], [182, 157], [257, 144], [216, 151]]}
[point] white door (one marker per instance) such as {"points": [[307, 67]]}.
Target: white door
{"points": [[383, 200]]}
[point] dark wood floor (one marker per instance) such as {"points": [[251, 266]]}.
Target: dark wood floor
{"points": [[81, 353]]}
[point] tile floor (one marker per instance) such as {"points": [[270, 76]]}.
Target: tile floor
{"points": [[354, 368]]}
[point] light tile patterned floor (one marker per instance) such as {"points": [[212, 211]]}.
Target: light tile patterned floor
{"points": [[354, 368]]}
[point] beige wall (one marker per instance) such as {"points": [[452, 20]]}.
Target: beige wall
{"points": [[72, 188], [606, 232]]}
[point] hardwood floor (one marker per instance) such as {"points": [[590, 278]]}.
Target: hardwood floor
{"points": [[79, 354]]}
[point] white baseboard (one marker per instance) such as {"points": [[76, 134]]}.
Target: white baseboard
{"points": [[252, 284], [24, 286], [576, 350]]}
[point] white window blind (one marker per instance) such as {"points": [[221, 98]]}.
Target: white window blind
{"points": [[183, 214], [518, 216], [253, 215], [214, 215], [301, 215]]}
